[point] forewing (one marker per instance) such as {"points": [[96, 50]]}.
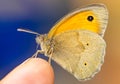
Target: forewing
{"points": [[78, 19]]}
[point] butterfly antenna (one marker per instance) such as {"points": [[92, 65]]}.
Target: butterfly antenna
{"points": [[28, 31]]}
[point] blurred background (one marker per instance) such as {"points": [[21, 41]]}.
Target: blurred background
{"points": [[40, 16]]}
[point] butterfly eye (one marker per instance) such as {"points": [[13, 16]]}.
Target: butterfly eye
{"points": [[90, 18]]}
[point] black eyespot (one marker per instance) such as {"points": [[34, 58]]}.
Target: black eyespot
{"points": [[87, 44], [90, 18], [85, 64]]}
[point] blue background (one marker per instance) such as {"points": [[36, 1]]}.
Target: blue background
{"points": [[36, 15]]}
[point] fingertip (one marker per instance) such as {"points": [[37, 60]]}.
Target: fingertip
{"points": [[32, 71]]}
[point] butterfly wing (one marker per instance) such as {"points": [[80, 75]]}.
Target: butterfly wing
{"points": [[93, 17], [79, 52], [78, 44]]}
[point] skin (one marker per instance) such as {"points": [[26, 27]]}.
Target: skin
{"points": [[32, 71]]}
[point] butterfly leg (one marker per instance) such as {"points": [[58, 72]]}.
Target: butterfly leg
{"points": [[38, 51], [50, 56], [49, 60]]}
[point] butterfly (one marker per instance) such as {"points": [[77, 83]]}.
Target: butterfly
{"points": [[76, 41]]}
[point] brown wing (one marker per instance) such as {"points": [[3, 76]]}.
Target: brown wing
{"points": [[79, 52]]}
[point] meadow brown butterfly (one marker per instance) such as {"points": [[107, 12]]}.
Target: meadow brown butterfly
{"points": [[76, 42]]}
